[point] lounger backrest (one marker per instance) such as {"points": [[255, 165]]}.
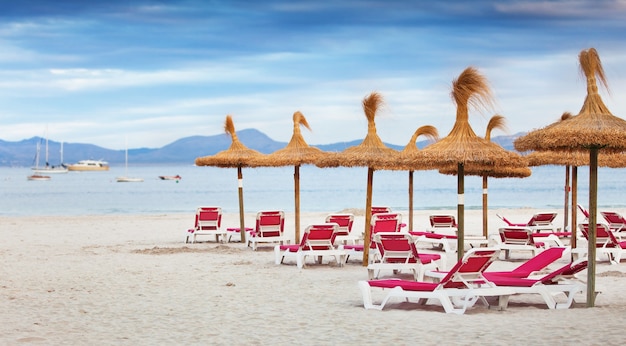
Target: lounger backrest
{"points": [[209, 218], [566, 271], [542, 260], [386, 222], [378, 210], [604, 235], [469, 269], [542, 219], [615, 220], [319, 237], [344, 221], [583, 210], [395, 247], [270, 223], [516, 235], [443, 221]]}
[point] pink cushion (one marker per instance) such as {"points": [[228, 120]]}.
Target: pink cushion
{"points": [[404, 284]]}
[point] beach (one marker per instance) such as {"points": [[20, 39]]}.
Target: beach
{"points": [[131, 280]]}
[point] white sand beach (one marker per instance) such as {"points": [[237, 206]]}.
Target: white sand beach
{"points": [[131, 280]]}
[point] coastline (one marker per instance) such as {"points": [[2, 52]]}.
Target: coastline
{"points": [[131, 279]]}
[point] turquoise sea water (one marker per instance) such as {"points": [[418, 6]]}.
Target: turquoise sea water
{"points": [[328, 189]]}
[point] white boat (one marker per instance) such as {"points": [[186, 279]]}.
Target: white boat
{"points": [[48, 169], [89, 165], [126, 178]]}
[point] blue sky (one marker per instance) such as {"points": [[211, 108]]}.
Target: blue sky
{"points": [[156, 71]]}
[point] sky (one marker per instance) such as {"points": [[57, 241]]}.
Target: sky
{"points": [[144, 74]]}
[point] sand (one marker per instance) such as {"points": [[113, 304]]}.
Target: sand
{"points": [[131, 280]]}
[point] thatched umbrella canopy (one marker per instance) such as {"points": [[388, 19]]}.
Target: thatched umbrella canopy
{"points": [[592, 130], [367, 154], [462, 146], [296, 153], [237, 155], [494, 171], [399, 160]]}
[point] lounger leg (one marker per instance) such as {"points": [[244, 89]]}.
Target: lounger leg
{"points": [[366, 292], [278, 257]]}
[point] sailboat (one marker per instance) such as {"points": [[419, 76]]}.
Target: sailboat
{"points": [[38, 176], [47, 169], [126, 178]]}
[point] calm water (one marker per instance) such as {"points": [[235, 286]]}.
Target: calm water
{"points": [[330, 189]]}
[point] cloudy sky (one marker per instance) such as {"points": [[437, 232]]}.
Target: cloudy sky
{"points": [[156, 71]]}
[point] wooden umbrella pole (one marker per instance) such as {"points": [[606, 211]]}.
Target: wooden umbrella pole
{"points": [[485, 220], [242, 226], [368, 216], [591, 248], [460, 244], [574, 228], [566, 204], [296, 188], [410, 200]]}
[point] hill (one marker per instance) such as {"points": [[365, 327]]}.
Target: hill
{"points": [[184, 150]]}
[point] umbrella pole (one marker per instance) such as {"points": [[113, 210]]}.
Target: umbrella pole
{"points": [[574, 227], [460, 244], [485, 221], [296, 188], [566, 204], [410, 200], [591, 248], [242, 227], [368, 216]]}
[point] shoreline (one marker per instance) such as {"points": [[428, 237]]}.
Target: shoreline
{"points": [[131, 279]]}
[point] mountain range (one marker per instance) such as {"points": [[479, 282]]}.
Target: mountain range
{"points": [[185, 150]]}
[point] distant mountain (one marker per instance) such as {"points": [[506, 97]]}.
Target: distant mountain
{"points": [[184, 150]]}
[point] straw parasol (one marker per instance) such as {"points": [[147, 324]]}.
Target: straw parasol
{"points": [[592, 130], [367, 154], [296, 153], [462, 146], [395, 162], [237, 155], [496, 122]]}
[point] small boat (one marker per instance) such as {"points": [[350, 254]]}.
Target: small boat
{"points": [[126, 178], [38, 177], [170, 177], [89, 165]]}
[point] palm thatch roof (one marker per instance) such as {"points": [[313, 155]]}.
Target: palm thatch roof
{"points": [[400, 160], [494, 171], [297, 152], [237, 155], [371, 150], [462, 145], [594, 126]]}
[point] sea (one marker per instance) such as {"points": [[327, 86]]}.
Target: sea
{"points": [[321, 190]]}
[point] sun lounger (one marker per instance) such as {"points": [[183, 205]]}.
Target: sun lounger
{"points": [[381, 222], [606, 243], [559, 282], [208, 222], [317, 241], [458, 291], [516, 238], [344, 232], [538, 222], [270, 227], [398, 252], [617, 223]]}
